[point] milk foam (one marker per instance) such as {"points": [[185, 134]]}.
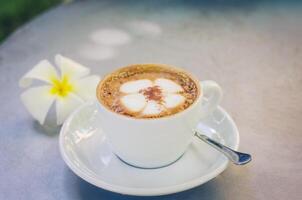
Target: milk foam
{"points": [[138, 96], [173, 100], [134, 102], [152, 108], [135, 86], [168, 85]]}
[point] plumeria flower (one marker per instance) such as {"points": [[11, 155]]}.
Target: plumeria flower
{"points": [[69, 89], [151, 97]]}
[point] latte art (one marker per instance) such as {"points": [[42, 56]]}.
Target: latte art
{"points": [[147, 91], [151, 97]]}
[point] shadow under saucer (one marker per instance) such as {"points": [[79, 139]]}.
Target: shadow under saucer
{"points": [[209, 190]]}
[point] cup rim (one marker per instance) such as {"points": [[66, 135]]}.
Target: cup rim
{"points": [[168, 117]]}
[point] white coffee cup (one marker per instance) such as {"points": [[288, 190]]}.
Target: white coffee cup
{"points": [[153, 143]]}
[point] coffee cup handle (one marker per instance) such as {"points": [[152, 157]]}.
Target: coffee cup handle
{"points": [[211, 97]]}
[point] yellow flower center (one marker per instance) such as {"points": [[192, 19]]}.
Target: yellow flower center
{"points": [[61, 87]]}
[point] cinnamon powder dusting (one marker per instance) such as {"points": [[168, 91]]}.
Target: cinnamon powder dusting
{"points": [[152, 93]]}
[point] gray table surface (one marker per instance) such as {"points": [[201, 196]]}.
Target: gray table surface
{"points": [[252, 48]]}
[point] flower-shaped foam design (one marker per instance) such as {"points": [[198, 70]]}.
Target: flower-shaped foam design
{"points": [[69, 89], [151, 97]]}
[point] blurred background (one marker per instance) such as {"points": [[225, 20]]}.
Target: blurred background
{"points": [[14, 13], [252, 48]]}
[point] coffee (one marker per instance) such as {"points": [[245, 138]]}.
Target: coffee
{"points": [[148, 91]]}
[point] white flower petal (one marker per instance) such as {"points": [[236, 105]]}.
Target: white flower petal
{"points": [[152, 108], [168, 85], [71, 68], [43, 71], [86, 87], [66, 105], [135, 86], [37, 101], [173, 100], [134, 102]]}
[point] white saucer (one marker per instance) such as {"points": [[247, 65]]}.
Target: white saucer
{"points": [[84, 149]]}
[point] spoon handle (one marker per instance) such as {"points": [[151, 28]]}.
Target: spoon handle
{"points": [[236, 157]]}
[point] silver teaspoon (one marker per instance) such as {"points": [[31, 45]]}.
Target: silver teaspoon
{"points": [[236, 157]]}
